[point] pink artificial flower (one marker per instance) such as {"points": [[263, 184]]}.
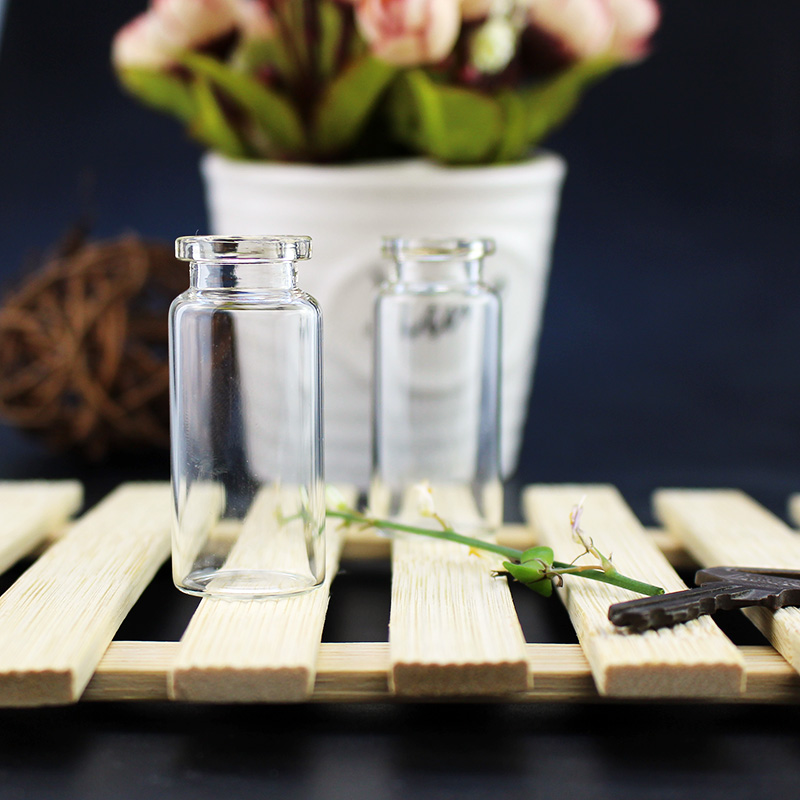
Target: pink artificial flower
{"points": [[253, 20], [154, 38], [634, 23], [583, 28], [142, 43], [409, 32]]}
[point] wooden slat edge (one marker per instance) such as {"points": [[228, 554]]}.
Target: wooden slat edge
{"points": [[31, 512], [358, 672]]}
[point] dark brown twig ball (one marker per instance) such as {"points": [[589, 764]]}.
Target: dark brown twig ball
{"points": [[83, 348]]}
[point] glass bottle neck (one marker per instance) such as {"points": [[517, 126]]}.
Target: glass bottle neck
{"points": [[243, 275], [439, 272]]}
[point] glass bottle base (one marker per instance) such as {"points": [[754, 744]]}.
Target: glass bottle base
{"points": [[234, 584]]}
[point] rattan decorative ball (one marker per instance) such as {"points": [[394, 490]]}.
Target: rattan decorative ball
{"points": [[83, 348]]}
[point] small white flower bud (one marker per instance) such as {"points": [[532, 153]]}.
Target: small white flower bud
{"points": [[493, 45], [335, 499], [425, 504]]}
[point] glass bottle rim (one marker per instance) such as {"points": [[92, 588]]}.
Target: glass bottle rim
{"points": [[251, 248], [430, 249]]}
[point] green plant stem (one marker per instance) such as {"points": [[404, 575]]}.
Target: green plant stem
{"points": [[510, 553], [614, 578], [449, 534]]}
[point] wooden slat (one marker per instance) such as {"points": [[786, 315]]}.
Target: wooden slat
{"points": [[358, 672], [58, 618], [723, 527], [133, 671], [30, 511], [453, 629], [238, 651], [692, 660]]}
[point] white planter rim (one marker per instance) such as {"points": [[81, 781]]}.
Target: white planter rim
{"points": [[543, 167]]}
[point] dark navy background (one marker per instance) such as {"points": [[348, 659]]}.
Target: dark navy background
{"points": [[669, 357], [669, 352]]}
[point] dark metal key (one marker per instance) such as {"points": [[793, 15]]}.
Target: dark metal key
{"points": [[718, 589]]}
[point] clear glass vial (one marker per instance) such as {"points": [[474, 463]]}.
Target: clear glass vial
{"points": [[436, 389], [246, 422]]}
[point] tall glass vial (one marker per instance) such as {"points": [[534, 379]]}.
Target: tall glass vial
{"points": [[436, 395], [246, 421]]}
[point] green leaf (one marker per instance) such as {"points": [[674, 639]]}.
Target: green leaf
{"points": [[252, 54], [348, 102], [161, 90], [538, 553], [296, 27], [210, 125], [268, 109], [514, 138], [330, 39], [532, 576], [452, 124], [548, 104]]}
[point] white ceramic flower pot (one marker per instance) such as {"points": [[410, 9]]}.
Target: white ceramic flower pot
{"points": [[346, 210]]}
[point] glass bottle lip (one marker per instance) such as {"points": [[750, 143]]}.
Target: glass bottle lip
{"points": [[429, 249], [250, 248]]}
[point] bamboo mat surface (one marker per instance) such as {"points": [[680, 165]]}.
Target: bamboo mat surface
{"points": [[80, 577]]}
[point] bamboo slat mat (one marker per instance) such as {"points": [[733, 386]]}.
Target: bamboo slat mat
{"points": [[58, 619]]}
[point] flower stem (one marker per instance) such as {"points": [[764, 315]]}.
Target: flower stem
{"points": [[615, 578], [510, 553], [449, 534]]}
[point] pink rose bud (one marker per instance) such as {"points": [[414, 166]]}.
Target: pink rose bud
{"points": [[153, 39], [634, 23], [409, 32], [142, 43], [582, 27]]}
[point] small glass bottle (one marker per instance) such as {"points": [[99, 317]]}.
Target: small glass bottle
{"points": [[436, 389], [246, 423]]}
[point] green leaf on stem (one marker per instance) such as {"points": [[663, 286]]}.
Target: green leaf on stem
{"points": [[530, 567], [162, 90], [348, 102], [532, 571], [539, 553], [549, 103], [269, 110], [209, 124], [452, 124]]}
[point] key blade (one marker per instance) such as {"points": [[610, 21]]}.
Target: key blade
{"points": [[665, 610]]}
